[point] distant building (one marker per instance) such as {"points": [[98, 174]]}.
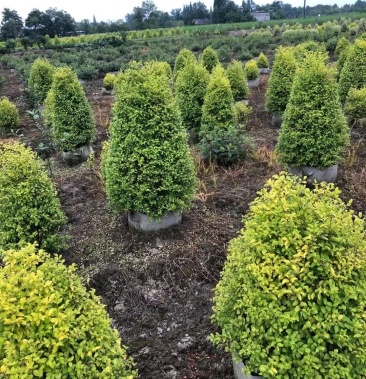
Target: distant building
{"points": [[261, 16], [199, 21]]}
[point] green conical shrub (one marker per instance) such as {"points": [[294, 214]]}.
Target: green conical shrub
{"points": [[30, 210], [190, 91], [355, 106], [184, 58], [209, 59], [147, 166], [109, 80], [291, 299], [218, 107], [342, 60], [69, 111], [9, 116], [314, 130], [280, 80], [251, 70], [342, 45], [238, 81], [51, 326], [353, 74], [40, 79], [262, 61]]}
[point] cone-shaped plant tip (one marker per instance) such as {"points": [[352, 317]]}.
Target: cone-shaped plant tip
{"points": [[184, 58], [238, 81], [209, 58], [40, 79]]}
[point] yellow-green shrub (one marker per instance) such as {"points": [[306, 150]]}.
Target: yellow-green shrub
{"points": [[355, 106], [209, 59], [51, 326], [291, 300], [9, 115], [238, 81], [243, 112], [30, 210], [184, 58], [251, 70], [40, 78], [109, 80], [262, 61]]}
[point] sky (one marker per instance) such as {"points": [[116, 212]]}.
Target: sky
{"points": [[105, 10]]}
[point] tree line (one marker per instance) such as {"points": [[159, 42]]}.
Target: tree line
{"points": [[52, 21]]}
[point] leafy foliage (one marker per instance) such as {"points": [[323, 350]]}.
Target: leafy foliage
{"points": [[251, 70], [29, 209], [109, 81], [243, 112], [353, 74], [51, 326], [291, 299], [314, 130], [148, 166], [190, 91], [184, 58], [69, 112], [40, 79], [342, 45], [209, 59], [9, 115], [238, 81], [355, 106], [262, 61], [280, 80]]}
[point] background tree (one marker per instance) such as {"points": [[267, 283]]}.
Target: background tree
{"points": [[11, 24]]}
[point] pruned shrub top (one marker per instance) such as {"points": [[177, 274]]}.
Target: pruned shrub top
{"points": [[251, 70], [109, 80], [9, 116], [69, 111], [148, 167], [355, 106], [30, 210], [238, 81], [209, 58], [40, 78], [314, 131], [51, 326], [291, 299], [280, 80], [262, 61], [353, 74], [190, 91], [184, 58]]}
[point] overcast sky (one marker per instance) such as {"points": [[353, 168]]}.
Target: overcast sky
{"points": [[116, 9]]}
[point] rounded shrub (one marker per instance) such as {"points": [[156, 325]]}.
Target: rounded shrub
{"points": [[280, 80], [353, 74], [109, 80], [69, 112], [147, 166], [290, 302], [342, 45], [51, 326], [209, 59], [314, 130], [262, 61], [243, 112], [238, 81], [355, 106], [251, 70], [30, 210], [184, 58], [40, 79], [218, 109], [9, 115], [190, 89]]}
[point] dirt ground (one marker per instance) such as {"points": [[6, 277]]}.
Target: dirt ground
{"points": [[158, 287]]}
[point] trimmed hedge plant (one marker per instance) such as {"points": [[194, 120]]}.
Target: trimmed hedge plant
{"points": [[69, 111], [109, 80], [51, 326], [251, 70], [262, 61], [314, 131], [290, 302], [355, 106], [190, 89], [280, 80], [30, 210], [238, 81], [9, 116], [40, 79], [353, 74], [184, 58], [209, 59], [147, 166]]}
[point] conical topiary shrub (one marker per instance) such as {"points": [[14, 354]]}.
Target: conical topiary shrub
{"points": [[9, 116], [280, 80], [51, 326], [209, 59], [40, 79], [69, 112], [262, 61], [314, 130], [355, 106], [147, 166], [190, 89], [29, 208], [184, 58], [218, 107], [238, 80], [342, 45], [353, 74], [291, 300]]}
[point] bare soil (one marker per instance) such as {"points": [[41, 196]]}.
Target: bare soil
{"points": [[158, 287]]}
